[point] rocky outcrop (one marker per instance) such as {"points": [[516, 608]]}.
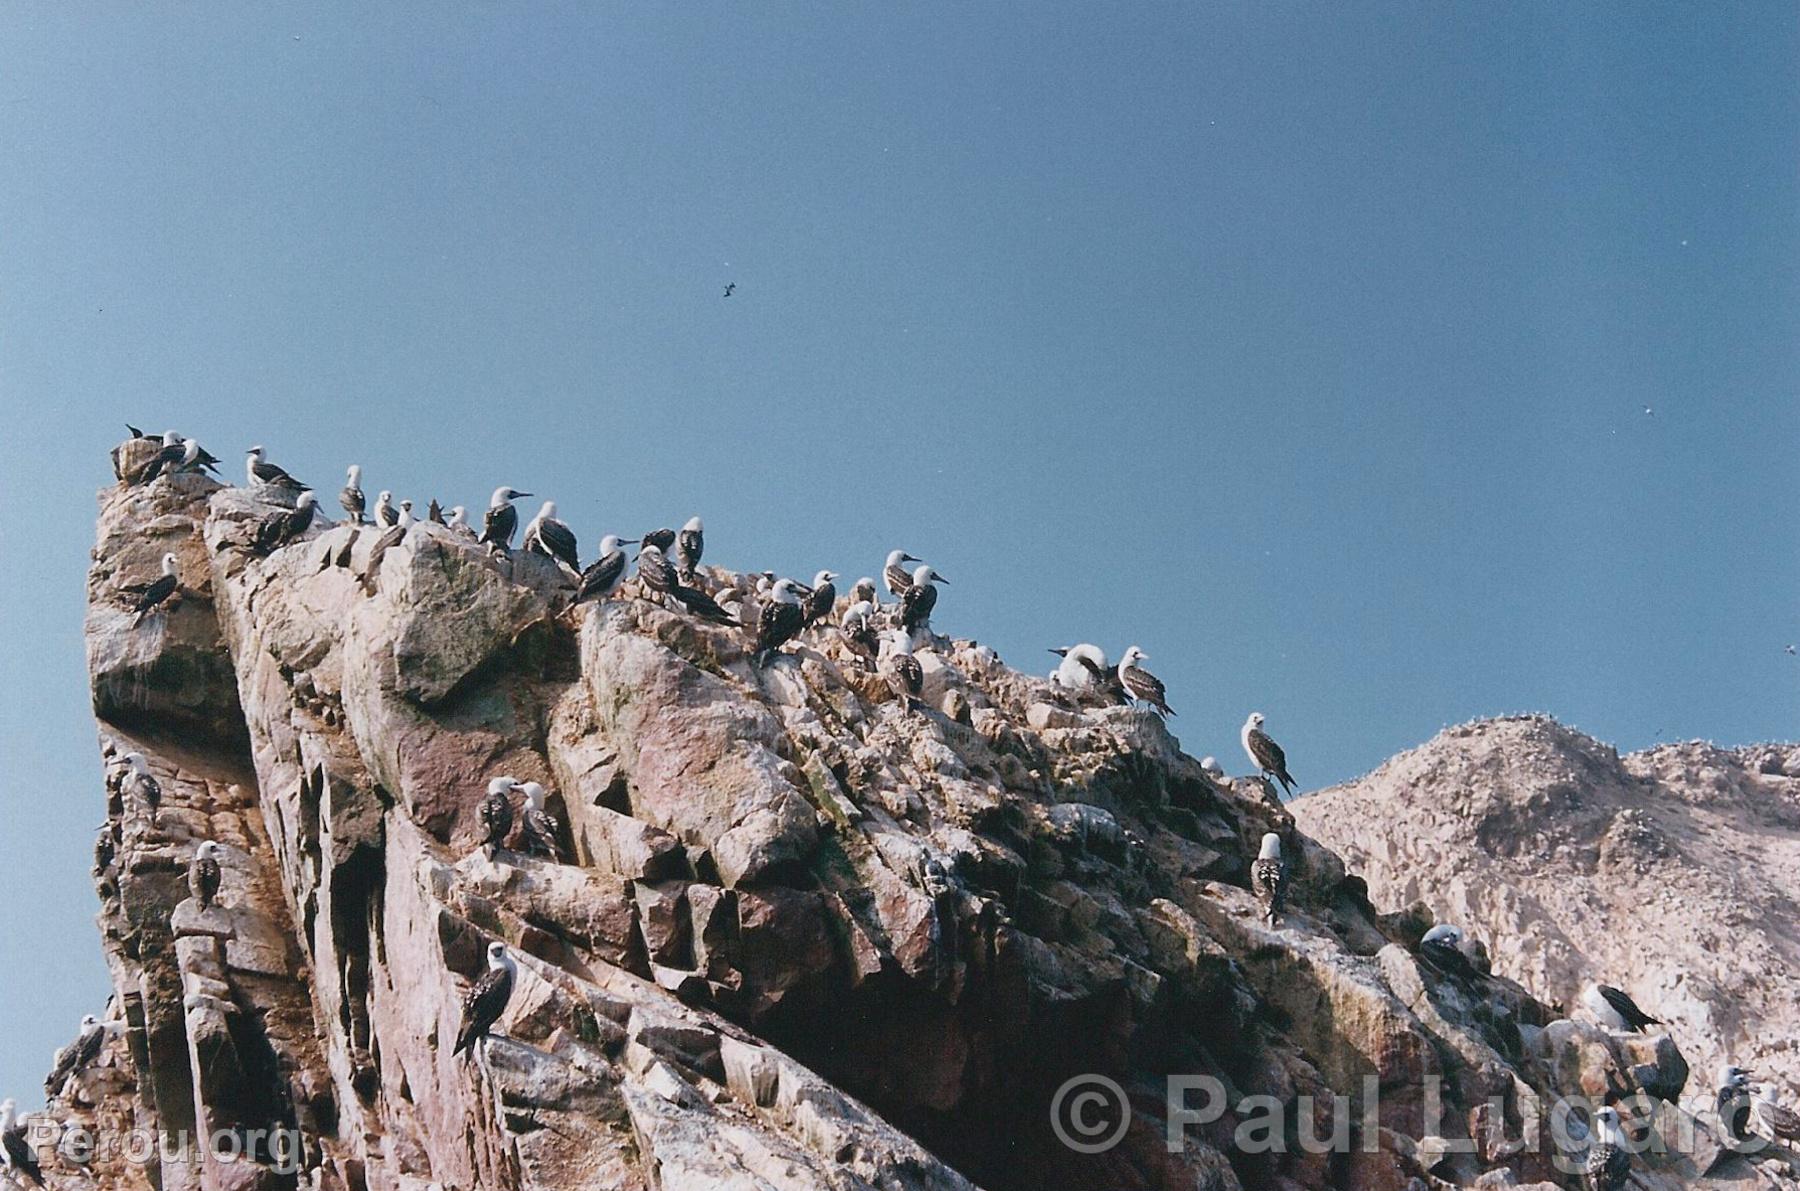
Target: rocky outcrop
{"points": [[814, 936]]}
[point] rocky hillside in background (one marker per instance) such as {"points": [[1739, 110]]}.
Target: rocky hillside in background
{"points": [[1672, 873], [815, 937]]}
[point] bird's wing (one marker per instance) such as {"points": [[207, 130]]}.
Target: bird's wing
{"points": [[1268, 753], [1625, 1007], [559, 539], [499, 524], [483, 1003], [604, 571]]}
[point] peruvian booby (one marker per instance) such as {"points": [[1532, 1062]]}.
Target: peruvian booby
{"points": [[780, 620], [279, 528], [730, 288], [1442, 947], [14, 1145], [1775, 1118], [540, 831], [1268, 878], [858, 626], [105, 850], [917, 601], [1083, 667], [1264, 753], [154, 594], [552, 538], [459, 521], [895, 574], [606, 574], [863, 591], [1139, 683], [821, 599], [653, 569], [260, 471], [434, 512], [176, 454], [350, 496], [486, 999], [1732, 1102], [385, 512], [662, 539], [502, 519], [1209, 765], [497, 811], [690, 544], [1608, 1165], [204, 874], [1615, 1010], [76, 1056], [700, 604], [905, 677], [141, 786], [395, 534]]}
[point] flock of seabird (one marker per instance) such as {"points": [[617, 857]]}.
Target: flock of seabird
{"points": [[775, 611]]}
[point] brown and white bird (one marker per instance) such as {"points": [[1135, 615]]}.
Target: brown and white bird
{"points": [[918, 600], [204, 874], [1608, 1165], [1139, 683], [497, 811], [780, 620], [895, 574], [284, 526], [486, 999], [148, 597], [1264, 753], [905, 677], [1614, 1009], [654, 571], [1733, 1102], [502, 519], [140, 786], [605, 574], [1776, 1119], [821, 599], [76, 1056], [552, 538], [858, 627], [690, 544], [350, 496], [15, 1147], [260, 472], [1268, 878], [662, 539], [387, 514], [540, 832], [863, 590]]}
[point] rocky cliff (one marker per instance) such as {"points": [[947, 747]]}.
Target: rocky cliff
{"points": [[815, 935], [1672, 873]]}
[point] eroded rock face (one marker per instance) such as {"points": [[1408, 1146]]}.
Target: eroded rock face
{"points": [[812, 936]]}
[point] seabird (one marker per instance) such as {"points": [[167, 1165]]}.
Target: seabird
{"points": [[1210, 766], [552, 538], [654, 571], [261, 471], [606, 574], [1268, 878], [895, 574], [690, 544], [204, 874], [141, 785], [502, 519], [1441, 946], [351, 494], [176, 452], [77, 1055], [821, 599], [917, 601], [1264, 753], [18, 1152], [1084, 668], [497, 811], [729, 286], [540, 831], [905, 677], [385, 512], [858, 626], [1608, 1164], [700, 604], [1139, 683], [387, 541], [863, 590], [153, 594], [780, 621], [663, 539], [434, 512], [486, 999], [459, 521], [279, 528], [105, 850], [1615, 1010], [1779, 1120], [1733, 1102]]}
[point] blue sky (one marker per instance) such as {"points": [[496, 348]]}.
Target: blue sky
{"points": [[1307, 347]]}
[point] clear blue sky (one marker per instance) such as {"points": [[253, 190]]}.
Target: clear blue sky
{"points": [[1305, 346]]}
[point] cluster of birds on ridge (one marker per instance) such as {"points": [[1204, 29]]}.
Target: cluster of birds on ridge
{"points": [[775, 610]]}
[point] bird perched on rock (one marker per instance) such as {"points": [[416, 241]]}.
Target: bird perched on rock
{"points": [[1733, 1102], [552, 538], [1268, 878], [176, 455], [780, 620], [662, 539], [540, 831], [148, 597], [140, 785], [459, 522], [497, 811], [905, 677], [486, 999], [393, 536], [502, 519], [605, 574], [1608, 1165], [386, 514], [106, 850], [821, 599], [1265, 754], [204, 874], [279, 528], [350, 496], [1139, 683], [1210, 766], [858, 626], [653, 569], [895, 574], [1614, 1009], [1441, 947], [14, 1145], [690, 544], [261, 473], [918, 600], [700, 604], [1776, 1120], [863, 591], [76, 1056]]}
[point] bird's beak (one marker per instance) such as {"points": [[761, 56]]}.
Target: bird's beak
{"points": [[1061, 653], [628, 541], [937, 578], [910, 558], [520, 495]]}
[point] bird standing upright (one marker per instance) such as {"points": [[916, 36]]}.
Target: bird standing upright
{"points": [[486, 999], [917, 601], [821, 599], [1268, 877], [690, 544], [497, 812], [552, 538], [261, 473], [204, 874], [780, 621], [502, 519], [1139, 683], [1264, 753], [350, 496]]}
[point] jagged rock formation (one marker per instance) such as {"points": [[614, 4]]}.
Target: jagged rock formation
{"points": [[815, 937], [1673, 873]]}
